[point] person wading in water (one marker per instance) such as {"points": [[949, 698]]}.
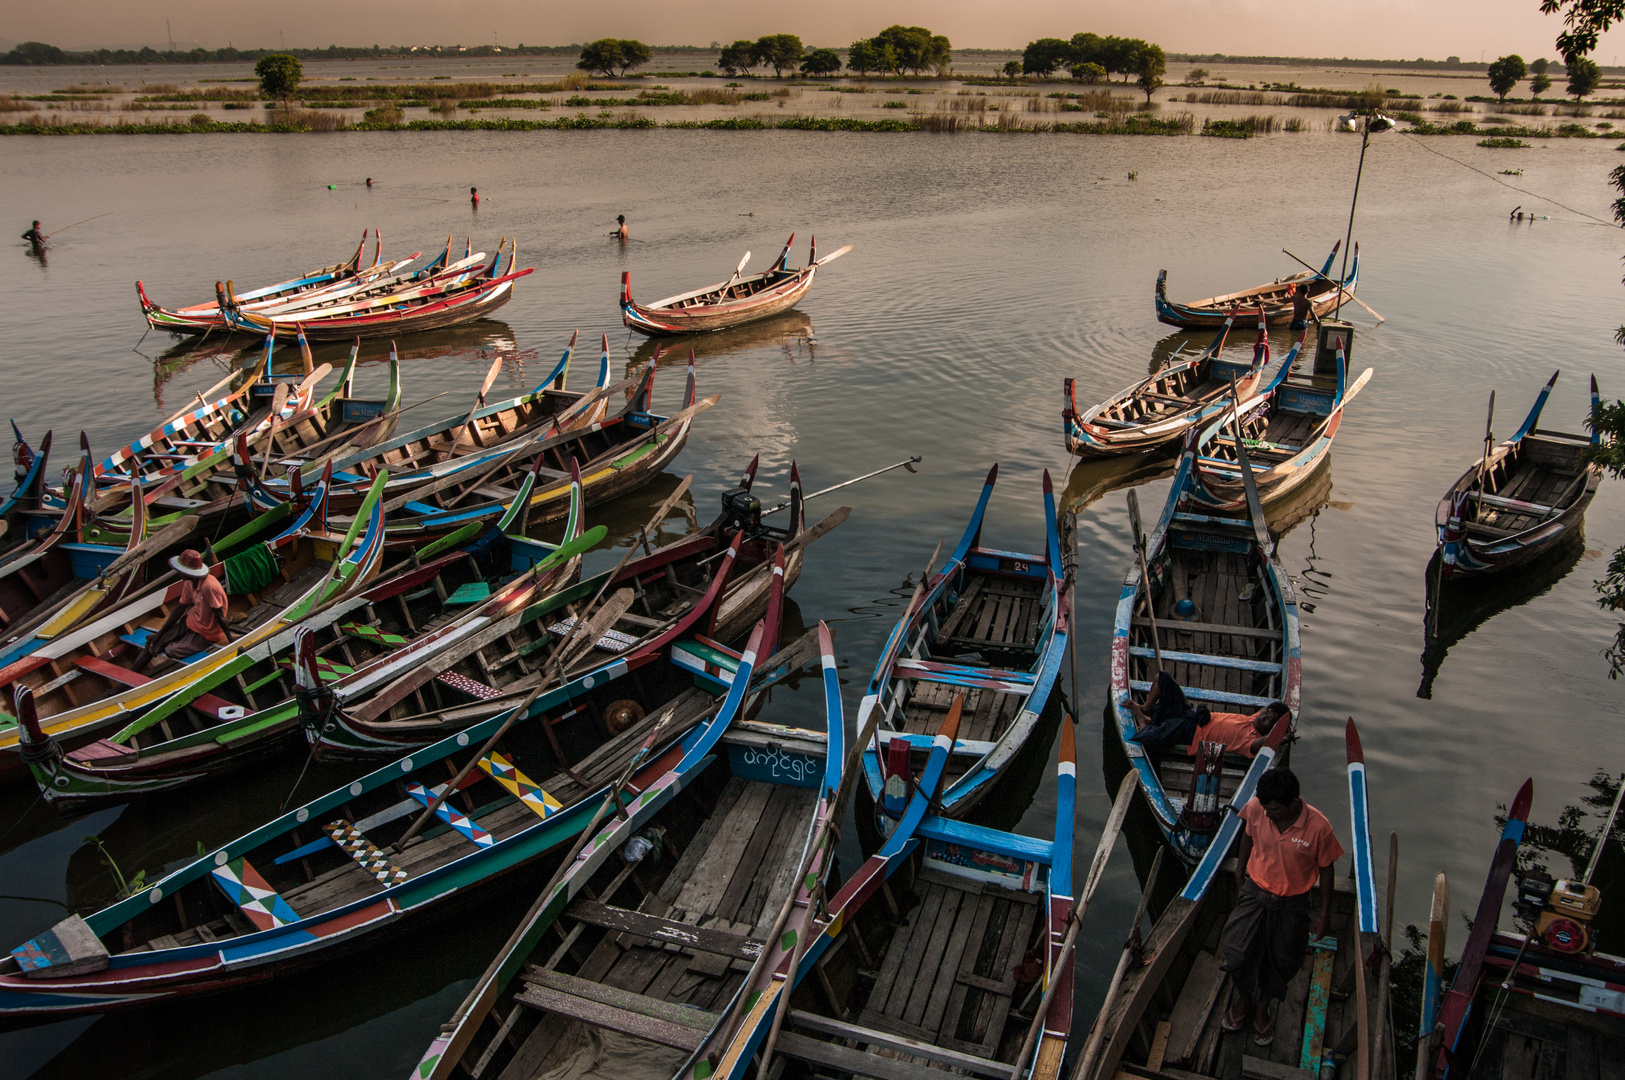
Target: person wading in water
{"points": [[36, 239], [620, 234], [1288, 849]]}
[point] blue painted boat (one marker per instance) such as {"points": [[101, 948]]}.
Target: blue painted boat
{"points": [[1517, 503], [1226, 629], [991, 624]]}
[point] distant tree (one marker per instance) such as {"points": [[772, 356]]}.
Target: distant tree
{"points": [[916, 49], [1012, 68], [1043, 56], [1085, 49], [1584, 77], [1506, 73], [1196, 76], [603, 55], [34, 52], [1089, 73], [821, 62], [1540, 66], [737, 58], [634, 54], [279, 75], [1153, 65], [1539, 84], [778, 51]]}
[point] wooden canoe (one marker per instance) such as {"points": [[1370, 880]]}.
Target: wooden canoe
{"points": [[992, 627], [727, 303], [80, 682], [1519, 503], [414, 607], [1237, 651], [327, 875], [731, 835], [1275, 297], [1160, 408], [201, 318], [1289, 429], [23, 513], [438, 302]]}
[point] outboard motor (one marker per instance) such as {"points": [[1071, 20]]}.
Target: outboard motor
{"points": [[741, 511]]}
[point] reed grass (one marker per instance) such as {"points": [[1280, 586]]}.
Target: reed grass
{"points": [[15, 103], [294, 119], [1461, 107], [1522, 110], [1232, 97]]}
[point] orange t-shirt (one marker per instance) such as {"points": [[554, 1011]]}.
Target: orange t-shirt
{"points": [[1235, 730], [1288, 863], [205, 601]]}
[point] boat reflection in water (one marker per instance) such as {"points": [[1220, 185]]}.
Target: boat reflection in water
{"points": [[790, 335], [1463, 605], [1093, 479]]}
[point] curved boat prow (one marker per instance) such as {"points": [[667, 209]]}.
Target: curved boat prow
{"points": [[973, 530], [1540, 403]]}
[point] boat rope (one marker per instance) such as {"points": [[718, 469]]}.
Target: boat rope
{"points": [[1592, 219]]}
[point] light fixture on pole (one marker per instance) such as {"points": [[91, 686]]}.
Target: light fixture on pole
{"points": [[1373, 123]]}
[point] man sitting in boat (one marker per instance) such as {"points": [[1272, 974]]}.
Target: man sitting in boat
{"points": [[1167, 721], [198, 622], [1287, 849]]}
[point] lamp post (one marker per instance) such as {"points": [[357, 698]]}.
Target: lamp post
{"points": [[1374, 123]]}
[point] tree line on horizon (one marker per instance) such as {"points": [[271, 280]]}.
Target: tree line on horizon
{"points": [[1506, 72], [1092, 58], [896, 50]]}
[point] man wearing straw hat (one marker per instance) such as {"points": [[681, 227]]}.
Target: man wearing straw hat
{"points": [[203, 605]]}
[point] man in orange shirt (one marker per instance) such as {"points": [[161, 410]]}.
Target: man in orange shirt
{"points": [[1287, 849], [198, 621], [1241, 733]]}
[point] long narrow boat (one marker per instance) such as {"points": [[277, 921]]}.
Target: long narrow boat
{"points": [[430, 305], [1161, 407], [82, 683], [992, 627], [20, 512], [1458, 1008], [1164, 1010], [355, 863], [1520, 501], [1288, 428], [1544, 1004], [449, 589], [973, 976], [665, 963], [707, 587], [200, 318], [727, 303], [1275, 298], [1224, 623]]}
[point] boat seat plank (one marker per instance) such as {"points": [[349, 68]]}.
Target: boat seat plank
{"points": [[677, 1026], [664, 931], [1168, 624], [1001, 680], [857, 1062], [873, 1037], [1204, 694], [1207, 660]]}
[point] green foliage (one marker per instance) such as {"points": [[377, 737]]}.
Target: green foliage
{"points": [[34, 52], [1584, 77], [634, 54], [737, 58], [1153, 65], [1043, 56], [1089, 73], [1196, 76], [916, 49], [1539, 84], [279, 75], [821, 62], [603, 55], [1225, 129], [868, 55], [1506, 73], [1503, 143], [777, 51], [1584, 21], [1539, 66], [1012, 68]]}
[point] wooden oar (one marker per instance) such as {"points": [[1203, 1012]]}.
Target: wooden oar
{"points": [[1145, 574], [479, 399], [1483, 462], [1340, 288], [740, 269], [1091, 1048], [279, 398], [1097, 868], [832, 256]]}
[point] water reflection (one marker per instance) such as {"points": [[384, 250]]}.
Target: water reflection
{"points": [[1462, 606], [1092, 480], [789, 334]]}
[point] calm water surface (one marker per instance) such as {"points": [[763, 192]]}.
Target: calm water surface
{"points": [[986, 269]]}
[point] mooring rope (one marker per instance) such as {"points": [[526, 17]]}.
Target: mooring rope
{"points": [[1592, 218]]}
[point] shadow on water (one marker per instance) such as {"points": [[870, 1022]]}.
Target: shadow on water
{"points": [[789, 334], [1460, 607], [1090, 481]]}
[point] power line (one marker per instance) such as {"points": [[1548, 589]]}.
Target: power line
{"points": [[1592, 218]]}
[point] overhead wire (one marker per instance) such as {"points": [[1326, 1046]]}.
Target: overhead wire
{"points": [[1592, 219]]}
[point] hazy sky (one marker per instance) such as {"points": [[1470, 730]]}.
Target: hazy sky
{"points": [[1393, 29]]}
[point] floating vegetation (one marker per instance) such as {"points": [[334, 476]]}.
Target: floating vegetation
{"points": [[1511, 172], [1503, 144]]}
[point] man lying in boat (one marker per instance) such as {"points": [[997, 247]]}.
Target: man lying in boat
{"points": [[1167, 721], [1287, 849]]}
